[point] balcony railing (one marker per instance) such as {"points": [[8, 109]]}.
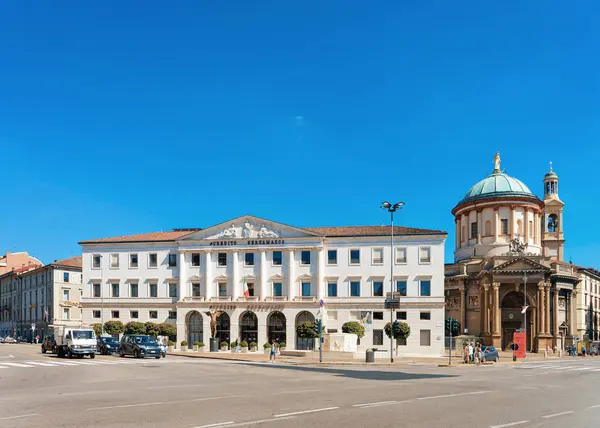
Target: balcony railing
{"points": [[248, 299], [221, 299], [275, 298], [305, 299], [194, 299]]}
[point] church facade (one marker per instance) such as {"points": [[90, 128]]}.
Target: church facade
{"points": [[509, 268]]}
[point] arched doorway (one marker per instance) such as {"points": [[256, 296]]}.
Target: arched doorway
{"points": [[276, 327], [195, 328], [249, 327], [512, 318], [304, 343], [223, 324]]}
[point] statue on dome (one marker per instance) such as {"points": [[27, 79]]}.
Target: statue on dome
{"points": [[497, 161]]}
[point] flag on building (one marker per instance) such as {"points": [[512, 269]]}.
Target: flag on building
{"points": [[246, 292], [523, 309]]}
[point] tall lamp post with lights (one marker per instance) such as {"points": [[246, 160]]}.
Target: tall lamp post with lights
{"points": [[392, 208], [525, 310]]}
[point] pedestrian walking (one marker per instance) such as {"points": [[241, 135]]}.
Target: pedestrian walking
{"points": [[471, 352], [466, 354], [573, 350], [273, 352]]}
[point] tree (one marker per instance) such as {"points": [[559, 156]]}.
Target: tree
{"points": [[307, 330], [152, 329], [114, 327], [590, 322], [134, 327], [97, 329], [166, 329], [354, 327], [401, 330]]}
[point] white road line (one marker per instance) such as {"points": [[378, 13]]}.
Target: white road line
{"points": [[373, 404], [17, 365], [283, 415], [39, 363], [596, 370], [125, 406], [2, 367], [453, 395], [262, 421], [221, 424], [512, 424], [595, 407], [19, 416], [557, 414]]}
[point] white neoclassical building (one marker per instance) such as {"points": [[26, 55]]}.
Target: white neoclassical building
{"points": [[267, 277]]}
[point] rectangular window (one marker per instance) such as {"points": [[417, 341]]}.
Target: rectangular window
{"points": [[222, 259], [153, 290], [249, 259], [425, 337], [172, 260], [277, 257], [354, 257], [65, 313], [425, 255], [425, 316], [400, 256], [377, 256], [114, 314], [115, 289], [66, 277], [134, 314], [172, 290], [114, 261], [377, 337], [473, 230], [195, 259], [133, 260], [96, 261], [66, 295], [504, 226], [401, 315], [332, 257], [377, 315], [153, 314], [401, 287], [425, 288], [134, 289], [332, 289], [222, 289], [96, 290], [152, 260], [305, 289], [305, 257], [355, 288], [172, 315], [277, 289], [196, 290], [96, 314], [530, 229], [250, 289], [377, 288]]}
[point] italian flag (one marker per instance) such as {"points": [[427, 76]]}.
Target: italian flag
{"points": [[246, 292]]}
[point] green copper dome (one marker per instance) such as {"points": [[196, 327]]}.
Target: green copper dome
{"points": [[497, 185]]}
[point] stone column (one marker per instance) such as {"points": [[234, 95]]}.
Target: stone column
{"points": [[496, 320], [478, 226], [183, 289], [320, 269], [485, 308], [512, 222], [457, 231], [573, 313], [463, 309], [291, 274], [526, 224], [541, 301], [547, 308], [235, 286], [555, 312], [263, 275], [208, 276], [496, 223]]}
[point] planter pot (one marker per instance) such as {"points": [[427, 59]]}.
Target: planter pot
{"points": [[201, 349], [196, 348], [244, 349], [267, 350], [214, 345], [281, 348], [253, 349], [170, 348], [184, 349], [224, 348]]}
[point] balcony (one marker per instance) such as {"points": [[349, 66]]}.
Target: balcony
{"points": [[276, 298], [194, 299], [305, 299], [221, 299], [248, 299]]}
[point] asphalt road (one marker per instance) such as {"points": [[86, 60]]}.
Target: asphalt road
{"points": [[41, 390]]}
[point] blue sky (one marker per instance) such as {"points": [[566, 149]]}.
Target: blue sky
{"points": [[121, 117]]}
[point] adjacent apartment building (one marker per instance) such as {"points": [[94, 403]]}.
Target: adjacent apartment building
{"points": [[267, 277], [32, 299]]}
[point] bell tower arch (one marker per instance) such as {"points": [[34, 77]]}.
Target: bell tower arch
{"points": [[553, 240]]}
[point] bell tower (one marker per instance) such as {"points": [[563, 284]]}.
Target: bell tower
{"points": [[553, 240]]}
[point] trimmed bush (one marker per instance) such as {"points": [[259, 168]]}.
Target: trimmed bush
{"points": [[224, 344], [171, 343], [282, 345], [201, 344], [354, 327], [196, 343], [401, 330], [152, 329], [307, 330], [97, 329], [244, 344], [114, 327], [184, 343], [166, 329], [253, 344], [267, 345], [134, 327], [234, 344]]}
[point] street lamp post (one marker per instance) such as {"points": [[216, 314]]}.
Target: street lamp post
{"points": [[392, 208], [525, 309], [101, 299]]}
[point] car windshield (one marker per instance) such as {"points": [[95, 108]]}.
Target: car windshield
{"points": [[82, 334], [145, 340], [109, 340]]}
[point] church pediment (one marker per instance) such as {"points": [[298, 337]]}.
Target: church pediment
{"points": [[520, 264], [249, 228]]}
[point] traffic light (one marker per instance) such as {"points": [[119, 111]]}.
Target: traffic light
{"points": [[318, 325], [455, 328], [448, 329]]}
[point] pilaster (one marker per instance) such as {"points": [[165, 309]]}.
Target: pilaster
{"points": [[208, 275], [291, 274], [478, 226], [263, 275], [235, 268], [320, 270], [496, 223], [547, 308], [183, 289]]}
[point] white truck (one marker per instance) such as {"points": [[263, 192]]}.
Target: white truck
{"points": [[74, 342]]}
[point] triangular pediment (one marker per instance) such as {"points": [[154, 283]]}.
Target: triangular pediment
{"points": [[249, 227], [520, 264]]}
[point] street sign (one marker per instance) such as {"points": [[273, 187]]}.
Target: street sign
{"points": [[321, 303], [391, 304]]}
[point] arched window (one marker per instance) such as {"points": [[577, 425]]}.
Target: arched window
{"points": [[552, 223], [519, 227], [488, 228]]}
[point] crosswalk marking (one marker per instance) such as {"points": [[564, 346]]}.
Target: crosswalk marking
{"points": [[39, 363], [17, 365]]}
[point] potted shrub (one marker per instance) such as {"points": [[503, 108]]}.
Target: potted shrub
{"points": [[244, 346], [171, 346], [184, 345], [224, 346], [201, 346], [267, 347], [196, 344], [253, 347], [282, 346], [233, 345]]}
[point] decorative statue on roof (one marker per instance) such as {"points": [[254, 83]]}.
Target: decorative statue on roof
{"points": [[516, 246], [497, 161]]}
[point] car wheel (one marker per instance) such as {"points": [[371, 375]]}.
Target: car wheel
{"points": [[497, 359], [43, 350], [92, 356], [158, 358], [136, 354]]}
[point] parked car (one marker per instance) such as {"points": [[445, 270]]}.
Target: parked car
{"points": [[140, 346], [9, 339], [107, 345], [490, 354], [49, 344]]}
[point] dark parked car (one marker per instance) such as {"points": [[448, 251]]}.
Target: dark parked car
{"points": [[107, 345], [490, 354], [49, 344], [140, 346]]}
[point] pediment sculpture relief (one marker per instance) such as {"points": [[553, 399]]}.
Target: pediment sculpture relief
{"points": [[247, 231]]}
